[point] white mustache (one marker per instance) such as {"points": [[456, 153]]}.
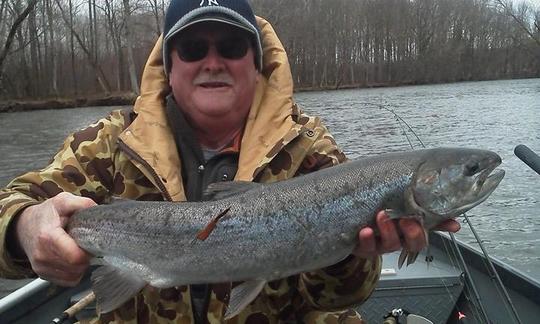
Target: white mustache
{"points": [[216, 78]]}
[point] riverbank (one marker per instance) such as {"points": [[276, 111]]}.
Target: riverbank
{"points": [[128, 98], [121, 99], [124, 99]]}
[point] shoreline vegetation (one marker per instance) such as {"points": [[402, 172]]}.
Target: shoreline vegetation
{"points": [[86, 53], [128, 98], [121, 99]]}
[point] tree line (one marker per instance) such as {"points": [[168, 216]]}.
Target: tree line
{"points": [[70, 48]]}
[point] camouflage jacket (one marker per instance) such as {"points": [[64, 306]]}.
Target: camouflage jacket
{"points": [[133, 155]]}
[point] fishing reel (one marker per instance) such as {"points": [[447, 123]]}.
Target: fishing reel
{"points": [[397, 314]]}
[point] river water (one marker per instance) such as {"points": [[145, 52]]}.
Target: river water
{"points": [[495, 115]]}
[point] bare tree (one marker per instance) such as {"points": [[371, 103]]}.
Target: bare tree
{"points": [[95, 65], [524, 16], [129, 48], [3, 4], [34, 61], [114, 27], [52, 48], [330, 44], [155, 7], [71, 42], [14, 27]]}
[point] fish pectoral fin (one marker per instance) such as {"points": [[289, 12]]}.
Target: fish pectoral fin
{"points": [[393, 213], [397, 214], [97, 261], [242, 295], [402, 258], [411, 256], [225, 189], [406, 255], [113, 287]]}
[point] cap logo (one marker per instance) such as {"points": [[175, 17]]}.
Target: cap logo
{"points": [[209, 3]]}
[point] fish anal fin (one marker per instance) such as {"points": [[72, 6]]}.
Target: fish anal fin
{"points": [[113, 287], [242, 295]]}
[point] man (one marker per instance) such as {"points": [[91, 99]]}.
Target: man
{"points": [[229, 114]]}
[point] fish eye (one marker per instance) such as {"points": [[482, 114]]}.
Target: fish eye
{"points": [[471, 168]]}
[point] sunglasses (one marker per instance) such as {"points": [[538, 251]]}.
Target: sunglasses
{"points": [[192, 50]]}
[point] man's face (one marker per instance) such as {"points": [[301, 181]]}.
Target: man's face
{"points": [[219, 85]]}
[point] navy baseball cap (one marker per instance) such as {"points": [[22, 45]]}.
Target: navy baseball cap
{"points": [[184, 13]]}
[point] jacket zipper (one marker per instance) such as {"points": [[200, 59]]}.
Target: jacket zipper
{"points": [[132, 154]]}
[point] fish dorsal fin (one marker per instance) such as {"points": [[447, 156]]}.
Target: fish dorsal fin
{"points": [[113, 287], [226, 189], [242, 295]]}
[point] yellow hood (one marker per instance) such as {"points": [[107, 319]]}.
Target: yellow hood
{"points": [[269, 124]]}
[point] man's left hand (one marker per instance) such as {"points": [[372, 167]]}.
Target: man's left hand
{"points": [[389, 239]]}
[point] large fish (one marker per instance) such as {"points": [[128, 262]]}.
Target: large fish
{"points": [[259, 232]]}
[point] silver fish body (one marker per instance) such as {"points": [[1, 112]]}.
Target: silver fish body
{"points": [[270, 231]]}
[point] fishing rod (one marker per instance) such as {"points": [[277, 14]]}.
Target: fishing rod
{"points": [[73, 310], [472, 290], [494, 275], [532, 159]]}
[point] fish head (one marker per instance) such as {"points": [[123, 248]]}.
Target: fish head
{"points": [[451, 181]]}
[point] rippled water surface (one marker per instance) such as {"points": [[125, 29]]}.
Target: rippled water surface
{"points": [[496, 115]]}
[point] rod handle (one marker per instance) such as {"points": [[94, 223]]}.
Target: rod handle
{"points": [[530, 158], [70, 312]]}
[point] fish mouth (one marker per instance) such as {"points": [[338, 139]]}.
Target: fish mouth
{"points": [[488, 180], [485, 182]]}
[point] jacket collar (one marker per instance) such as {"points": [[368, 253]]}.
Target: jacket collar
{"points": [[269, 127]]}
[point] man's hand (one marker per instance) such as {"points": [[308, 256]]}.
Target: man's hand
{"points": [[53, 254], [388, 240]]}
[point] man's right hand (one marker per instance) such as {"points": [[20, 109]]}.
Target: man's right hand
{"points": [[53, 254]]}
